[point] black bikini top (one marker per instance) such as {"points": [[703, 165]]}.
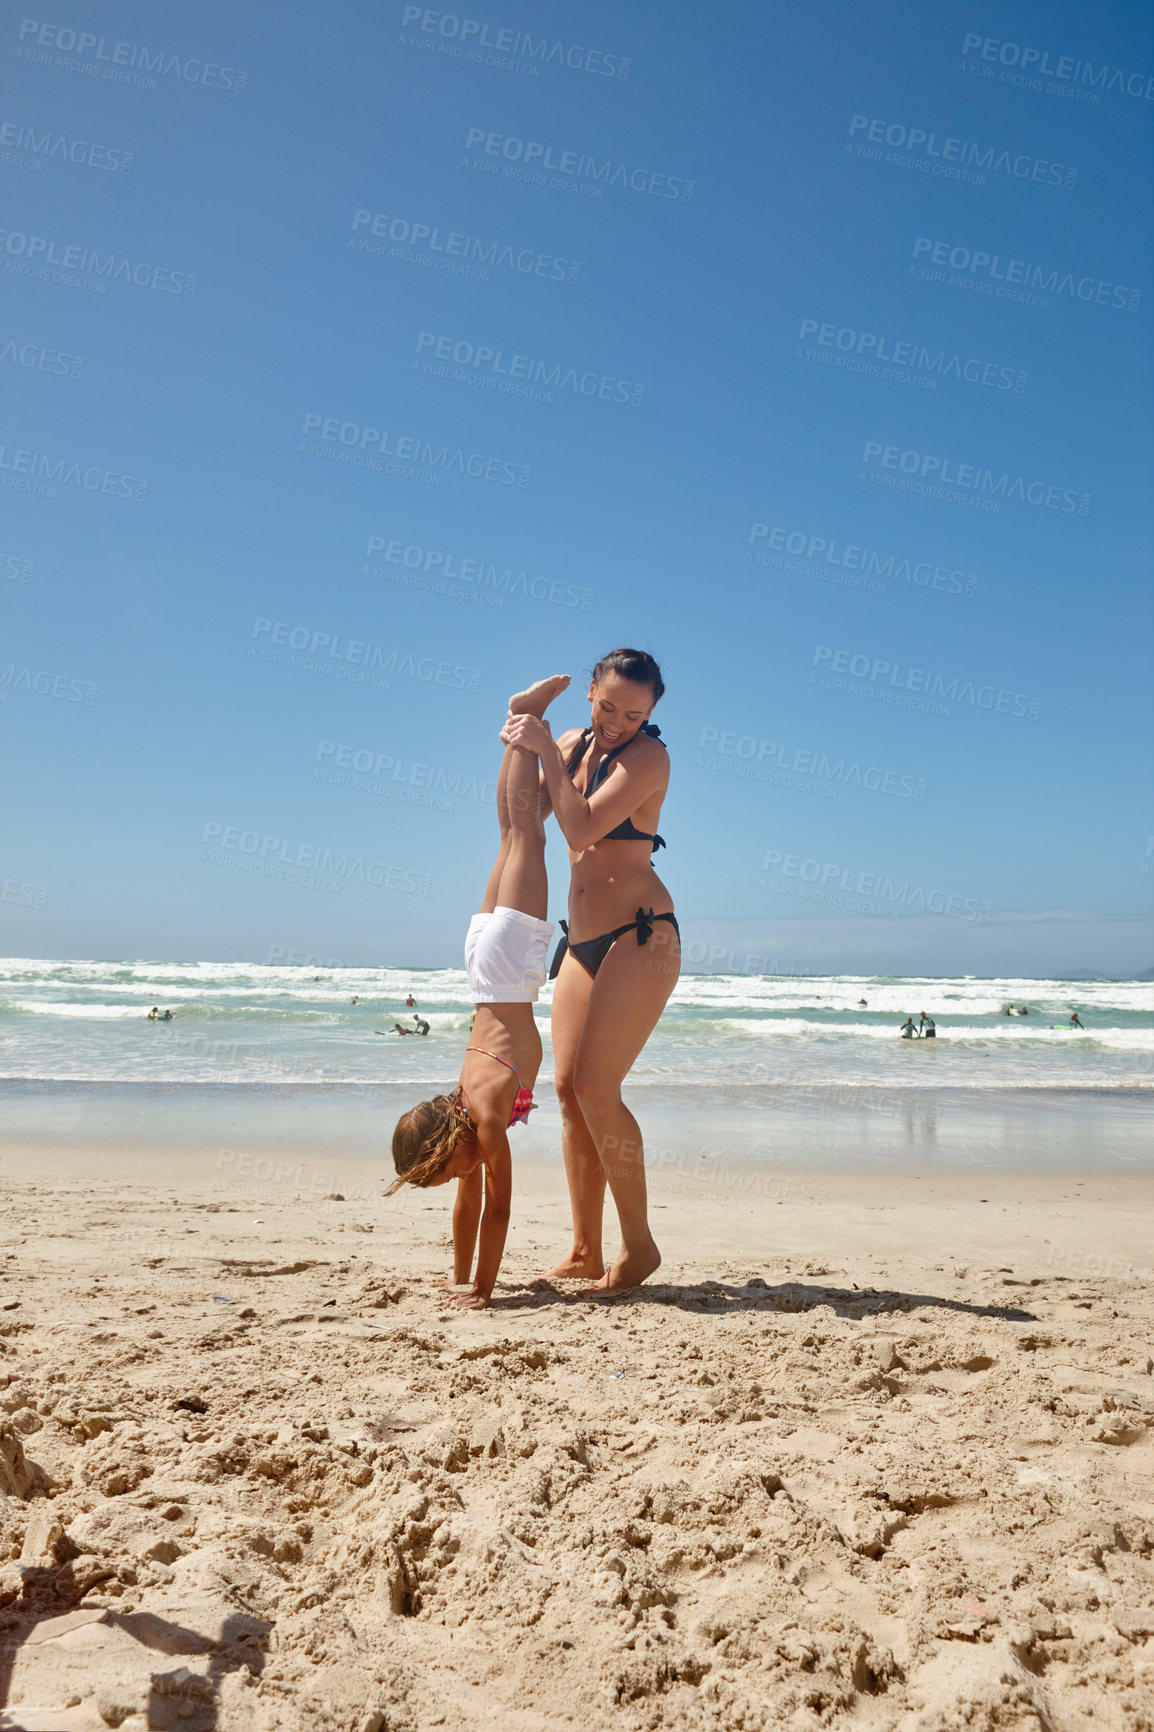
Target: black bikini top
{"points": [[625, 831]]}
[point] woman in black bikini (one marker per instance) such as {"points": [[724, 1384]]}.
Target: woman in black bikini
{"points": [[622, 953]]}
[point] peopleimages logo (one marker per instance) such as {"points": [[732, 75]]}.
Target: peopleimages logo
{"points": [[43, 147], [520, 375], [573, 165], [953, 158], [321, 651], [30, 254], [119, 60], [875, 886], [411, 456], [15, 569], [24, 895], [1017, 276], [384, 773], [452, 251], [34, 472], [40, 359], [1064, 67], [942, 472], [765, 761], [938, 692], [46, 685], [469, 35], [826, 551], [876, 349], [269, 855], [445, 573]]}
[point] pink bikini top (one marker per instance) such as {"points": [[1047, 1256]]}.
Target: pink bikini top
{"points": [[523, 1102]]}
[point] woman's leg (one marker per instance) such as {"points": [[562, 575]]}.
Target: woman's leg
{"points": [[632, 987], [582, 1165]]}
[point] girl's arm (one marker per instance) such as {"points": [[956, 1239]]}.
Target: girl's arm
{"points": [[627, 787], [493, 1139], [466, 1219]]}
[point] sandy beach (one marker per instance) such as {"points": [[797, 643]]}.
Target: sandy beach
{"points": [[871, 1449]]}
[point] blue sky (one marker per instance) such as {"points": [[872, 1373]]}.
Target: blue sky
{"points": [[974, 724]]}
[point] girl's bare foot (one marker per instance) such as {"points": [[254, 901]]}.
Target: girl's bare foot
{"points": [[577, 1269], [629, 1270], [535, 700]]}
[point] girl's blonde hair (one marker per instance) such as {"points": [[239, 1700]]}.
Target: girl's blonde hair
{"points": [[426, 1139]]}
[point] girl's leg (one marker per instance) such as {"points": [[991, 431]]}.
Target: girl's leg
{"points": [[583, 1168], [522, 883], [520, 772], [518, 786], [626, 1000], [489, 900]]}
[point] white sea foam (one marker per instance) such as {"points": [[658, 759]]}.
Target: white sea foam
{"points": [[282, 1026], [1125, 1039]]}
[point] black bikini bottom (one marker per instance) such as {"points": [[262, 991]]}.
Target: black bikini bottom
{"points": [[591, 952]]}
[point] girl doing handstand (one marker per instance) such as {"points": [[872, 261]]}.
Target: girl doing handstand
{"points": [[464, 1135]]}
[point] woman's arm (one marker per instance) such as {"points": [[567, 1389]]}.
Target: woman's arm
{"points": [[565, 745], [492, 1137], [626, 788]]}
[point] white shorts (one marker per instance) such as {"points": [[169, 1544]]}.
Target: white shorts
{"points": [[506, 955]]}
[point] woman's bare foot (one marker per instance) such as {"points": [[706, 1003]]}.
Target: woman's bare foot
{"points": [[577, 1269], [629, 1270], [535, 700]]}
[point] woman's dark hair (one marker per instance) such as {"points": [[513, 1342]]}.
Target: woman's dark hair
{"points": [[632, 664]]}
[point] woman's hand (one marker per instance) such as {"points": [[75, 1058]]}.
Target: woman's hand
{"points": [[527, 731], [472, 1301]]}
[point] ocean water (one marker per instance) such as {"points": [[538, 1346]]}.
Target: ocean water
{"points": [[271, 1081], [725, 1037]]}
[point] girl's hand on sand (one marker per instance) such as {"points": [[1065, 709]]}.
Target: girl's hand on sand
{"points": [[527, 731], [447, 1281], [472, 1301]]}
